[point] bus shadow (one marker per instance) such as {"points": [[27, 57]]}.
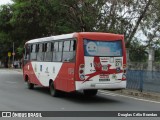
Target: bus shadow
{"points": [[79, 97], [43, 90]]}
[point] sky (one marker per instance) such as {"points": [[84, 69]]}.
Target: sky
{"points": [[2, 2]]}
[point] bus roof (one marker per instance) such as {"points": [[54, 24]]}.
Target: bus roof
{"points": [[67, 36], [64, 36]]}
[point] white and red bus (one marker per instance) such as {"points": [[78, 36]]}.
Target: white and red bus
{"points": [[85, 61]]}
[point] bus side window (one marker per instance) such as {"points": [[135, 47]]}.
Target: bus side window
{"points": [[33, 55], [57, 52], [52, 46], [66, 55], [40, 52], [27, 51], [73, 50], [73, 45], [55, 49], [48, 53], [69, 51], [45, 47]]}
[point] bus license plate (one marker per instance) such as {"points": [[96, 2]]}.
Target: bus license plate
{"points": [[103, 80], [104, 77]]}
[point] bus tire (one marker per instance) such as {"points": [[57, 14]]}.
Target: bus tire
{"points": [[53, 91], [30, 85], [90, 92]]}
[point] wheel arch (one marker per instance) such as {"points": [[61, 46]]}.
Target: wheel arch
{"points": [[50, 81], [26, 78]]}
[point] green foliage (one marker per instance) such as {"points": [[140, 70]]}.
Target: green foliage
{"points": [[157, 51], [137, 52], [20, 51], [138, 55], [5, 16], [28, 19], [5, 28]]}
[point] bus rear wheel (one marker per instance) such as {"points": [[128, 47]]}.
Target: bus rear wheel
{"points": [[90, 92], [30, 85], [53, 91]]}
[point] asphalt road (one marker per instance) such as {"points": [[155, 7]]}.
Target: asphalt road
{"points": [[14, 96]]}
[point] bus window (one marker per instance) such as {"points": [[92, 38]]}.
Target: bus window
{"points": [[73, 45], [40, 52], [103, 48], [66, 55], [57, 53], [27, 51], [33, 52], [73, 50], [45, 47], [66, 46], [60, 46], [48, 53], [69, 51]]}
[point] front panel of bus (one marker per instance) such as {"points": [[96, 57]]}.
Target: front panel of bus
{"points": [[101, 62]]}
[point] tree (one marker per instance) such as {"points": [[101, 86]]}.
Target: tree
{"points": [[28, 19], [5, 28], [151, 25]]}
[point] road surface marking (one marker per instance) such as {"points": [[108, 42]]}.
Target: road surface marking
{"points": [[11, 82], [106, 93], [114, 94]]}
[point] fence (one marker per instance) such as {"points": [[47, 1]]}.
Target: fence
{"points": [[144, 76], [143, 80]]}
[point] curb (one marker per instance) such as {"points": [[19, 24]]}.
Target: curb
{"points": [[136, 93]]}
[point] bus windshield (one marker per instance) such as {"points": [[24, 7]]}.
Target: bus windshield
{"points": [[103, 48]]}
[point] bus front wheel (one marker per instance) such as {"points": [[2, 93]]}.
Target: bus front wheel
{"points": [[90, 92], [53, 91], [30, 85]]}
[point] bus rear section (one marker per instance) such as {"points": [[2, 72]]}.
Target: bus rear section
{"points": [[101, 63]]}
